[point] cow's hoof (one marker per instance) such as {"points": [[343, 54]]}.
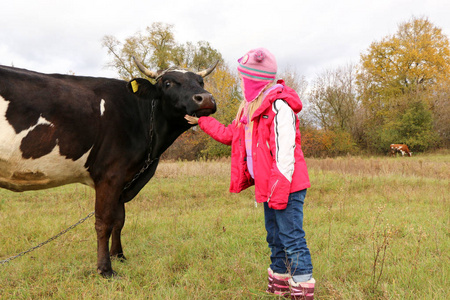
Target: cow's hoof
{"points": [[107, 274], [120, 257]]}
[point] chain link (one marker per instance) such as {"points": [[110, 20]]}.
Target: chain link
{"points": [[148, 162]]}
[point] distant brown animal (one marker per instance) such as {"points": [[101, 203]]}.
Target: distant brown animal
{"points": [[400, 148]]}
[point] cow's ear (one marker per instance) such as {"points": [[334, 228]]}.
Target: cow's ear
{"points": [[140, 87]]}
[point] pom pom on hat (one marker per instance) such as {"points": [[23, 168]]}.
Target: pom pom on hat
{"points": [[259, 56], [258, 68]]}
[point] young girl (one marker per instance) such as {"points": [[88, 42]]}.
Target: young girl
{"points": [[266, 152]]}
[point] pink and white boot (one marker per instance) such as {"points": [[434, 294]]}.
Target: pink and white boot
{"points": [[278, 283], [302, 290]]}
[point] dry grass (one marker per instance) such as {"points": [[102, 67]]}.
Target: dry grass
{"points": [[435, 167], [174, 169]]}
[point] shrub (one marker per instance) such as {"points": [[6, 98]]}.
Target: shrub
{"points": [[322, 143]]}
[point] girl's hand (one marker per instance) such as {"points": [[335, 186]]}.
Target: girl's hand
{"points": [[191, 120]]}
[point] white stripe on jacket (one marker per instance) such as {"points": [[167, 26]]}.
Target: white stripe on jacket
{"points": [[284, 128]]}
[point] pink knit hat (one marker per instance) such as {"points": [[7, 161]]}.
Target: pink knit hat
{"points": [[258, 68]]}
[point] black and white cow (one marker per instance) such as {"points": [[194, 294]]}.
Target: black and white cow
{"points": [[104, 133]]}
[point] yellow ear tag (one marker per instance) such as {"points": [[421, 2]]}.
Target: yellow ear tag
{"points": [[134, 86]]}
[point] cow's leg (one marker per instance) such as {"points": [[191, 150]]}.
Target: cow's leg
{"points": [[116, 244], [108, 213]]}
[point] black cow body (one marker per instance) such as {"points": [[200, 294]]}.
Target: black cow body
{"points": [[57, 129]]}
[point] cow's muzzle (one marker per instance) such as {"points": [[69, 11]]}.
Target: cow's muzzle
{"points": [[205, 103]]}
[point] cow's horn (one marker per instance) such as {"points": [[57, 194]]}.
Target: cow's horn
{"points": [[144, 70], [206, 72]]}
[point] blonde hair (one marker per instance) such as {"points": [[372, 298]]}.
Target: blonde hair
{"points": [[252, 106]]}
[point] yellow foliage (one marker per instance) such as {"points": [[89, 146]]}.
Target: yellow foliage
{"points": [[416, 58], [223, 84]]}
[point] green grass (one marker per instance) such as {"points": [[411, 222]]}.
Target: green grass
{"points": [[377, 228]]}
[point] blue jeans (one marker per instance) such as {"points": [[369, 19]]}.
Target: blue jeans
{"points": [[286, 237]]}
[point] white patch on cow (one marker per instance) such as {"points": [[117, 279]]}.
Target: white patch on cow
{"points": [[43, 121], [20, 174], [102, 107]]}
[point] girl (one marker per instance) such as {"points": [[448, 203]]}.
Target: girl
{"points": [[266, 152]]}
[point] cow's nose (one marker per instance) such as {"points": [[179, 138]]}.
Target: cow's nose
{"points": [[200, 98]]}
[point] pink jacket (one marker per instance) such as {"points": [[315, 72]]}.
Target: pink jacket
{"points": [[278, 163]]}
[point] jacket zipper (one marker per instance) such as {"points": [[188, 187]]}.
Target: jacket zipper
{"points": [[272, 190]]}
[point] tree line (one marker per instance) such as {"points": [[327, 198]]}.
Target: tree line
{"points": [[399, 91]]}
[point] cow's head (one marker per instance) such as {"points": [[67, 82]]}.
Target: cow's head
{"points": [[181, 92]]}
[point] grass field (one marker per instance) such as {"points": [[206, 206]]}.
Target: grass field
{"points": [[377, 228]]}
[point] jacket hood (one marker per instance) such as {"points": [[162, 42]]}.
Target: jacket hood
{"points": [[280, 91]]}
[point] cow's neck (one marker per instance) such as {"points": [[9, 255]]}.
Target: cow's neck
{"points": [[160, 134], [165, 131]]}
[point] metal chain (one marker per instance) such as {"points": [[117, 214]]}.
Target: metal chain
{"points": [[47, 241], [148, 162]]}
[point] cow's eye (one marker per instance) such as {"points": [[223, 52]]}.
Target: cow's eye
{"points": [[167, 83]]}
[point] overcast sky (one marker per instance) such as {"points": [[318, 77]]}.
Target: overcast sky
{"points": [[59, 36]]}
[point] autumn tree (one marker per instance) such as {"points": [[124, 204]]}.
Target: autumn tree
{"points": [[416, 57], [397, 71], [333, 98], [332, 103], [154, 49]]}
